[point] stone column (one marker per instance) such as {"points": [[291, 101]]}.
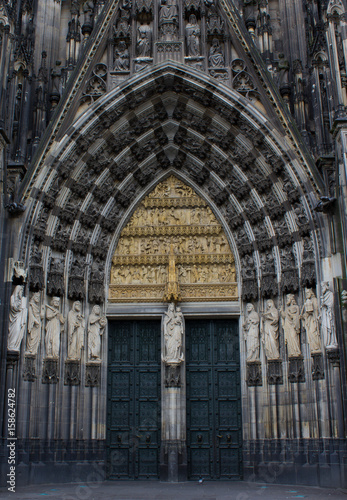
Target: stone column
{"points": [[173, 456]]}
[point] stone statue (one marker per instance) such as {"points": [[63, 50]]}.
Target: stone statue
{"points": [[121, 57], [251, 333], [193, 35], [55, 320], [270, 331], [283, 70], [18, 319], [96, 326], [328, 316], [35, 316], [215, 55], [291, 326], [168, 11], [173, 326], [309, 315], [144, 41], [75, 331]]}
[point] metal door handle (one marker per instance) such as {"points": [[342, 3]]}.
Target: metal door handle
{"points": [[148, 438], [219, 436], [199, 438]]}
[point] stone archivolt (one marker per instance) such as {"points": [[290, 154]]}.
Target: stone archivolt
{"points": [[172, 216]]}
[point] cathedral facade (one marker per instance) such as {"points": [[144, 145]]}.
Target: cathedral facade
{"points": [[173, 256]]}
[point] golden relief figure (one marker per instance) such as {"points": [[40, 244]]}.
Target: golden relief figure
{"points": [[173, 248]]}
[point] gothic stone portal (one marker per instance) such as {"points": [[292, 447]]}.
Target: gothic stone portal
{"points": [[173, 250]]}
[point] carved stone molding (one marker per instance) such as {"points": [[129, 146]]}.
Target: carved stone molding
{"points": [[29, 370], [317, 367], [333, 355], [296, 373], [254, 374], [50, 372], [274, 372], [93, 374], [172, 375], [72, 372]]}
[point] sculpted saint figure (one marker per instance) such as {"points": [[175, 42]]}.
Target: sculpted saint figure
{"points": [[18, 318], [215, 55], [34, 324], [328, 316], [144, 41], [291, 326], [173, 326], [309, 315], [251, 333], [168, 11], [121, 57], [55, 320], [193, 34], [270, 331], [75, 331], [96, 326]]}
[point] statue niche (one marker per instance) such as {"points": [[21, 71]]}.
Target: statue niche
{"points": [[173, 248]]}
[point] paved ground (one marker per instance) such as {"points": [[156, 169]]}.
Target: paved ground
{"points": [[114, 490]]}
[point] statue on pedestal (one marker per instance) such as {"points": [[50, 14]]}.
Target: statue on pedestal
{"points": [[18, 319], [55, 320], [75, 331], [96, 326], [173, 327], [251, 333]]}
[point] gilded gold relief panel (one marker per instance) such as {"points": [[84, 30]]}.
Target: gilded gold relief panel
{"points": [[172, 222]]}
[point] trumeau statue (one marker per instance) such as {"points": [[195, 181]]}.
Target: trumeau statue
{"points": [[75, 331], [291, 326], [55, 320], [18, 319], [310, 321], [328, 317], [251, 333], [270, 331], [173, 327], [35, 316], [96, 326]]}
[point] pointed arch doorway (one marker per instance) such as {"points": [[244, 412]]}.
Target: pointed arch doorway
{"points": [[181, 420]]}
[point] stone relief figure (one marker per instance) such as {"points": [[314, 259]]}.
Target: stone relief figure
{"points": [[35, 316], [55, 320], [173, 327], [168, 11], [283, 70], [328, 316], [193, 36], [96, 326], [75, 331], [309, 315], [291, 326], [144, 41], [121, 62], [270, 331], [18, 319], [215, 55], [251, 333]]}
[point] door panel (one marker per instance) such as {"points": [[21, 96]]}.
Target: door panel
{"points": [[133, 418], [213, 399]]}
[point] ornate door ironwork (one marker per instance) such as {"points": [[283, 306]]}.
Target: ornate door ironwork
{"points": [[133, 416], [214, 435]]}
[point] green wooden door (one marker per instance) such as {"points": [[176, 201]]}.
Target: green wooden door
{"points": [[133, 416], [213, 399]]}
